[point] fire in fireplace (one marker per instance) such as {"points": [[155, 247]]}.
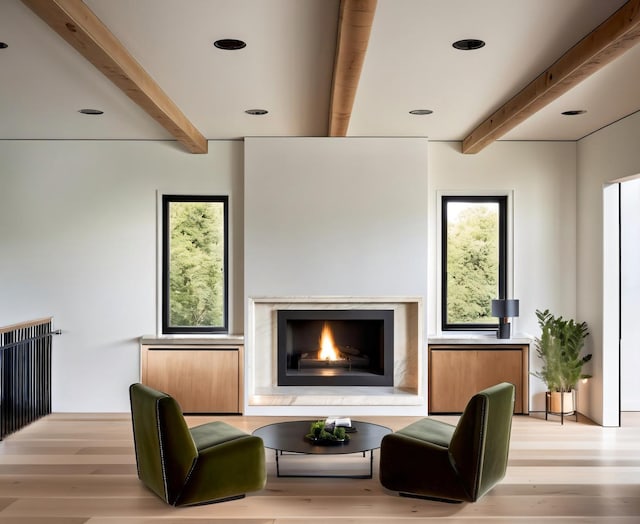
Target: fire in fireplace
{"points": [[335, 347]]}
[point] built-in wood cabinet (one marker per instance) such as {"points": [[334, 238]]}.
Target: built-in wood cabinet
{"points": [[203, 378], [458, 371]]}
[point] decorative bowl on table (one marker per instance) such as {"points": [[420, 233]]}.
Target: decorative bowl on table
{"points": [[323, 435]]}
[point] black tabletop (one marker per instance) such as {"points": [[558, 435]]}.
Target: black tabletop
{"points": [[290, 436]]}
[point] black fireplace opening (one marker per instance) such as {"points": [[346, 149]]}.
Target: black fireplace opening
{"points": [[335, 347]]}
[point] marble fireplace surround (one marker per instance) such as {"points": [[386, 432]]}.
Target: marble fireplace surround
{"points": [[264, 396]]}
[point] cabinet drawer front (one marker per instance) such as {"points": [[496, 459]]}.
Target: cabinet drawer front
{"points": [[201, 380], [456, 375]]}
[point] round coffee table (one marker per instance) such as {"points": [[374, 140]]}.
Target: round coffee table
{"points": [[290, 437]]}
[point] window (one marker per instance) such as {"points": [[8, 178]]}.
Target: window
{"points": [[194, 264], [474, 245]]}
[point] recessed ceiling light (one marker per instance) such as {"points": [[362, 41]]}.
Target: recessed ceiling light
{"points": [[229, 44], [574, 112], [256, 111], [3, 45], [90, 111], [421, 111], [468, 44]]}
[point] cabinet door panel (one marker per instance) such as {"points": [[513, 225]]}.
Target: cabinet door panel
{"points": [[202, 381], [456, 375]]}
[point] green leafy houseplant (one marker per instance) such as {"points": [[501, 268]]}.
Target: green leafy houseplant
{"points": [[319, 432], [559, 346]]}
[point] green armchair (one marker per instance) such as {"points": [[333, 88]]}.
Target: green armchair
{"points": [[435, 460], [212, 462]]}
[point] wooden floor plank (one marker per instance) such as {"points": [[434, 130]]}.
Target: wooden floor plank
{"points": [[382, 520], [332, 507], [42, 520], [194, 520]]}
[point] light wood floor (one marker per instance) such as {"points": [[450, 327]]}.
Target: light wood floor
{"points": [[69, 468]]}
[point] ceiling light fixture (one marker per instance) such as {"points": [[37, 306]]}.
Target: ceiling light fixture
{"points": [[90, 111], [256, 111], [468, 44], [574, 112], [420, 112], [3, 45], [229, 44]]}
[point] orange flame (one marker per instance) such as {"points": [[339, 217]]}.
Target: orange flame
{"points": [[328, 350]]}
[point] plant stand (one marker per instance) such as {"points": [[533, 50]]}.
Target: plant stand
{"points": [[562, 413]]}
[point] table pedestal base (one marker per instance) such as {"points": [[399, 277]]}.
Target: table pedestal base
{"points": [[284, 475]]}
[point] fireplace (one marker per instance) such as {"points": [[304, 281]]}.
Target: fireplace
{"points": [[335, 347]]}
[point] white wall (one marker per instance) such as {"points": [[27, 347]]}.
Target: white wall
{"points": [[541, 176], [630, 295], [78, 241], [335, 217], [608, 155]]}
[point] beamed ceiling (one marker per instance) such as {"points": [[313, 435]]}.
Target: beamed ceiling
{"points": [[319, 67]]}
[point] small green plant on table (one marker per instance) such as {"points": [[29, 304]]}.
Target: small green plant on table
{"points": [[319, 432]]}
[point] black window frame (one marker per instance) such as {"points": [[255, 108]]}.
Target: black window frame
{"points": [[166, 244], [502, 201]]}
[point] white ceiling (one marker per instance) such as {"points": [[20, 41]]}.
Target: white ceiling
{"points": [[286, 68]]}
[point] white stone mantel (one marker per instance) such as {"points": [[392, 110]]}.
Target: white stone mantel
{"points": [[265, 397]]}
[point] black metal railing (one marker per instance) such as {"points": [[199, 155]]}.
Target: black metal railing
{"points": [[25, 373]]}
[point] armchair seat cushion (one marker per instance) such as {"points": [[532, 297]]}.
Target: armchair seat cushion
{"points": [[214, 433], [429, 430]]}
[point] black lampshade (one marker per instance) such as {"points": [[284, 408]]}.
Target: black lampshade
{"points": [[505, 307]]}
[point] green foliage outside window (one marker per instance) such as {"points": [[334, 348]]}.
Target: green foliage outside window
{"points": [[472, 262], [196, 264]]}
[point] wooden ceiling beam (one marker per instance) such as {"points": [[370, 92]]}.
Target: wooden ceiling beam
{"points": [[80, 27], [619, 33], [354, 28]]}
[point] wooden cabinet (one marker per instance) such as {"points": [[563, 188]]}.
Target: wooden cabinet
{"points": [[203, 379], [458, 371]]}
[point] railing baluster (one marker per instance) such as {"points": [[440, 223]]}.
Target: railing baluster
{"points": [[25, 373]]}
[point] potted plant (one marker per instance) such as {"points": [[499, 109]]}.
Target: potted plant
{"points": [[559, 346]]}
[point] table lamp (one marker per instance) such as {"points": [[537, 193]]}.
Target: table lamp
{"points": [[504, 308]]}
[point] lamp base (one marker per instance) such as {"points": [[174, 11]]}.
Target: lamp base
{"points": [[504, 330]]}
